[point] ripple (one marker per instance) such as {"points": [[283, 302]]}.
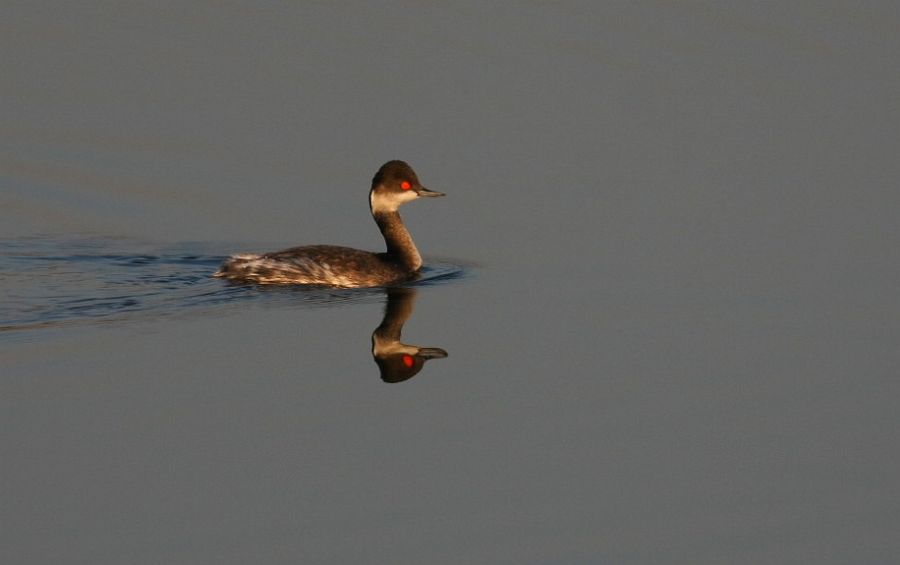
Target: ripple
{"points": [[53, 282]]}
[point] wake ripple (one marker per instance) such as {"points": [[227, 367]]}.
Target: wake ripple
{"points": [[50, 282]]}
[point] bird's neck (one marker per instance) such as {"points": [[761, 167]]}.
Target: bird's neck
{"points": [[400, 246]]}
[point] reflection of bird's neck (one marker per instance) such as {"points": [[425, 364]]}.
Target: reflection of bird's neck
{"points": [[399, 308], [400, 246]]}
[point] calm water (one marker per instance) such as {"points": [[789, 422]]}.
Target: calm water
{"points": [[659, 321]]}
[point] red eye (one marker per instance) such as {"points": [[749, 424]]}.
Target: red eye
{"points": [[405, 186], [407, 359]]}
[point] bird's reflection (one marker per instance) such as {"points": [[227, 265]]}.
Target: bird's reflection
{"points": [[398, 361]]}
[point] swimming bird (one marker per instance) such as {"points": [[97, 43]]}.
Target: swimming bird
{"points": [[395, 184]]}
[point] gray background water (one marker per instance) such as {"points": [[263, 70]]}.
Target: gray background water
{"points": [[679, 344]]}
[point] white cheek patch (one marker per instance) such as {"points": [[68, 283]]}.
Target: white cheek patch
{"points": [[389, 202]]}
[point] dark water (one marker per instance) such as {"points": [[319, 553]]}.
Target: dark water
{"points": [[659, 324]]}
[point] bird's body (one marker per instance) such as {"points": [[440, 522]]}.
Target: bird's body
{"points": [[394, 184]]}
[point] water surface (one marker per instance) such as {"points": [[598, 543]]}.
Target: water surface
{"points": [[679, 344], [60, 281]]}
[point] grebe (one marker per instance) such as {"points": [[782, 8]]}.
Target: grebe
{"points": [[394, 184]]}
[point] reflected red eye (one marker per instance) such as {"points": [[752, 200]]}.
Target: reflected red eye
{"points": [[407, 359], [405, 186]]}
